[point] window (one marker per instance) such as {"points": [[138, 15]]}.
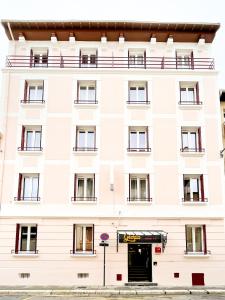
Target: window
{"points": [[138, 139], [28, 187], [196, 239], [26, 239], [88, 58], [138, 93], [189, 93], [139, 188], [184, 59], [191, 139], [83, 239], [31, 138], [33, 92], [86, 92], [194, 188], [136, 58], [84, 187], [85, 139], [39, 57]]}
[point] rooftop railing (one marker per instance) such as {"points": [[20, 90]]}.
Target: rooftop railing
{"points": [[21, 61]]}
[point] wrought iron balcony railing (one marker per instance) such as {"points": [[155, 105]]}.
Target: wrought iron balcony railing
{"points": [[25, 148], [80, 101], [85, 149], [135, 199], [21, 61], [29, 101], [34, 199], [84, 199], [146, 149], [187, 149], [13, 251], [195, 200]]}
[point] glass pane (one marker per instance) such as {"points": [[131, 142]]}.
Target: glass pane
{"points": [[37, 141], [192, 140], [93, 59], [186, 60], [132, 59], [194, 189], [90, 187], [133, 191], [141, 94], [140, 59], [90, 139], [187, 195], [185, 140], [143, 189], [79, 238], [27, 187], [83, 93], [183, 95], [37, 58], [133, 140], [80, 188], [133, 94], [89, 239], [29, 139], [91, 93], [39, 95], [34, 187], [33, 238], [142, 139], [81, 139], [32, 94], [84, 59], [23, 242], [191, 94], [198, 239], [189, 239]]}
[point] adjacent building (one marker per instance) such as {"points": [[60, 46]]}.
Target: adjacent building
{"points": [[111, 127]]}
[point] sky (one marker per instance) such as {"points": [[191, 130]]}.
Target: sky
{"points": [[123, 10]]}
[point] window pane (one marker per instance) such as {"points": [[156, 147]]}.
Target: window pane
{"points": [[90, 139], [132, 59], [27, 187], [192, 140], [133, 94], [39, 95], [140, 59], [80, 189], [142, 139], [133, 191], [198, 239], [81, 139], [90, 187], [33, 238], [143, 188], [187, 195], [185, 140], [89, 243], [195, 189], [79, 238], [183, 94], [189, 239], [23, 242], [133, 140], [191, 95], [83, 93], [32, 94], [37, 142], [29, 139], [141, 94], [34, 187], [91, 93], [84, 59]]}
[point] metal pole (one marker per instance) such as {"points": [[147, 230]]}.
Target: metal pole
{"points": [[104, 268]]}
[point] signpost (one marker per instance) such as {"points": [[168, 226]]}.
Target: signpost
{"points": [[104, 237]]}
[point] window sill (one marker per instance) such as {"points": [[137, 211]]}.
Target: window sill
{"points": [[190, 106], [30, 104], [192, 154], [83, 255], [195, 203], [81, 153], [25, 254], [84, 202], [138, 105], [197, 255], [86, 105], [35, 202], [130, 153], [25, 152]]}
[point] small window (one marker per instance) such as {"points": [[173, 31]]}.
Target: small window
{"points": [[26, 239], [88, 58], [138, 139], [191, 139], [33, 92], [196, 239], [139, 188], [86, 92], [84, 187], [184, 59], [31, 138], [194, 188], [85, 139], [137, 93], [136, 58], [28, 187], [83, 239], [39, 57], [189, 93]]}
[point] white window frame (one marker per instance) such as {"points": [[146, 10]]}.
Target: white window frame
{"points": [[84, 226], [86, 131], [134, 57], [35, 85], [138, 85], [85, 177], [184, 58], [138, 131], [193, 177], [189, 133], [30, 177], [193, 227], [88, 53], [41, 53], [28, 237], [34, 132], [186, 86], [138, 178], [87, 85]]}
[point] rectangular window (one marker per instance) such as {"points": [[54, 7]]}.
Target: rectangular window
{"points": [[39, 57], [83, 239], [26, 239], [196, 239], [194, 188], [189, 93], [33, 92], [85, 139], [31, 138], [138, 139], [137, 93], [28, 187], [84, 187], [139, 188], [86, 92], [136, 58], [184, 59], [191, 139], [88, 58]]}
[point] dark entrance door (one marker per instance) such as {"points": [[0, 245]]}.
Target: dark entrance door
{"points": [[139, 262]]}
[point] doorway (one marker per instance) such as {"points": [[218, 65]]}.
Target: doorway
{"points": [[140, 262]]}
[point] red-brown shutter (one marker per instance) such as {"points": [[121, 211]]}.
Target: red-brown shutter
{"points": [[192, 60], [176, 59], [199, 139], [31, 58], [36, 238], [96, 58], [17, 238], [147, 138], [202, 188], [129, 187], [186, 238], [94, 184], [43, 90], [128, 60], [78, 92], [80, 59], [93, 238], [75, 186], [23, 138], [19, 187], [95, 91], [204, 239], [197, 93], [74, 238], [145, 59], [148, 187], [146, 92], [25, 91]]}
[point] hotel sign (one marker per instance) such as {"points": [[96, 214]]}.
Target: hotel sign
{"points": [[133, 238]]}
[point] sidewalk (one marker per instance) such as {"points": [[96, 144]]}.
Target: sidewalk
{"points": [[108, 291]]}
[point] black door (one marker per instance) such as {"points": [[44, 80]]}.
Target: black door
{"points": [[139, 262]]}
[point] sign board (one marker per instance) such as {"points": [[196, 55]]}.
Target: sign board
{"points": [[129, 238], [103, 244], [104, 236]]}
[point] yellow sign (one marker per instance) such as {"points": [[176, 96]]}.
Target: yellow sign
{"points": [[131, 238]]}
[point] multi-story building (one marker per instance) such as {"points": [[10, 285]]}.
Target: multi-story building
{"points": [[111, 127]]}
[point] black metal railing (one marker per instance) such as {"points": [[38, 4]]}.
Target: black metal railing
{"points": [[138, 102], [84, 199], [190, 102], [187, 149], [25, 148], [21, 198], [86, 149], [208, 252], [80, 101], [194, 200], [146, 149], [13, 251], [74, 252], [29, 101], [142, 199]]}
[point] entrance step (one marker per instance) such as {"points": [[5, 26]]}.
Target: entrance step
{"points": [[140, 283], [137, 273]]}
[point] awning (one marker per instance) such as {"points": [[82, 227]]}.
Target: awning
{"points": [[142, 236]]}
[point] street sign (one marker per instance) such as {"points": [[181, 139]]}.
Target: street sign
{"points": [[104, 244], [104, 236]]}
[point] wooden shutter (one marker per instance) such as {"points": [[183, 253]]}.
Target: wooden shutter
{"points": [[96, 58], [176, 59], [146, 92], [36, 238], [19, 187], [204, 239], [43, 90], [128, 59], [186, 241], [80, 59], [95, 91], [31, 58], [148, 187], [75, 186], [47, 58], [23, 138], [74, 238], [199, 139], [94, 184], [202, 188], [93, 238], [17, 238], [25, 98], [147, 138], [76, 138], [129, 187], [197, 93], [192, 60], [78, 92], [145, 59]]}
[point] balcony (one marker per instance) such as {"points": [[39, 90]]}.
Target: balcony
{"points": [[33, 101], [24, 199], [25, 148], [171, 63], [139, 200], [24, 252], [147, 149], [192, 150], [80, 101], [197, 199], [84, 199]]}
